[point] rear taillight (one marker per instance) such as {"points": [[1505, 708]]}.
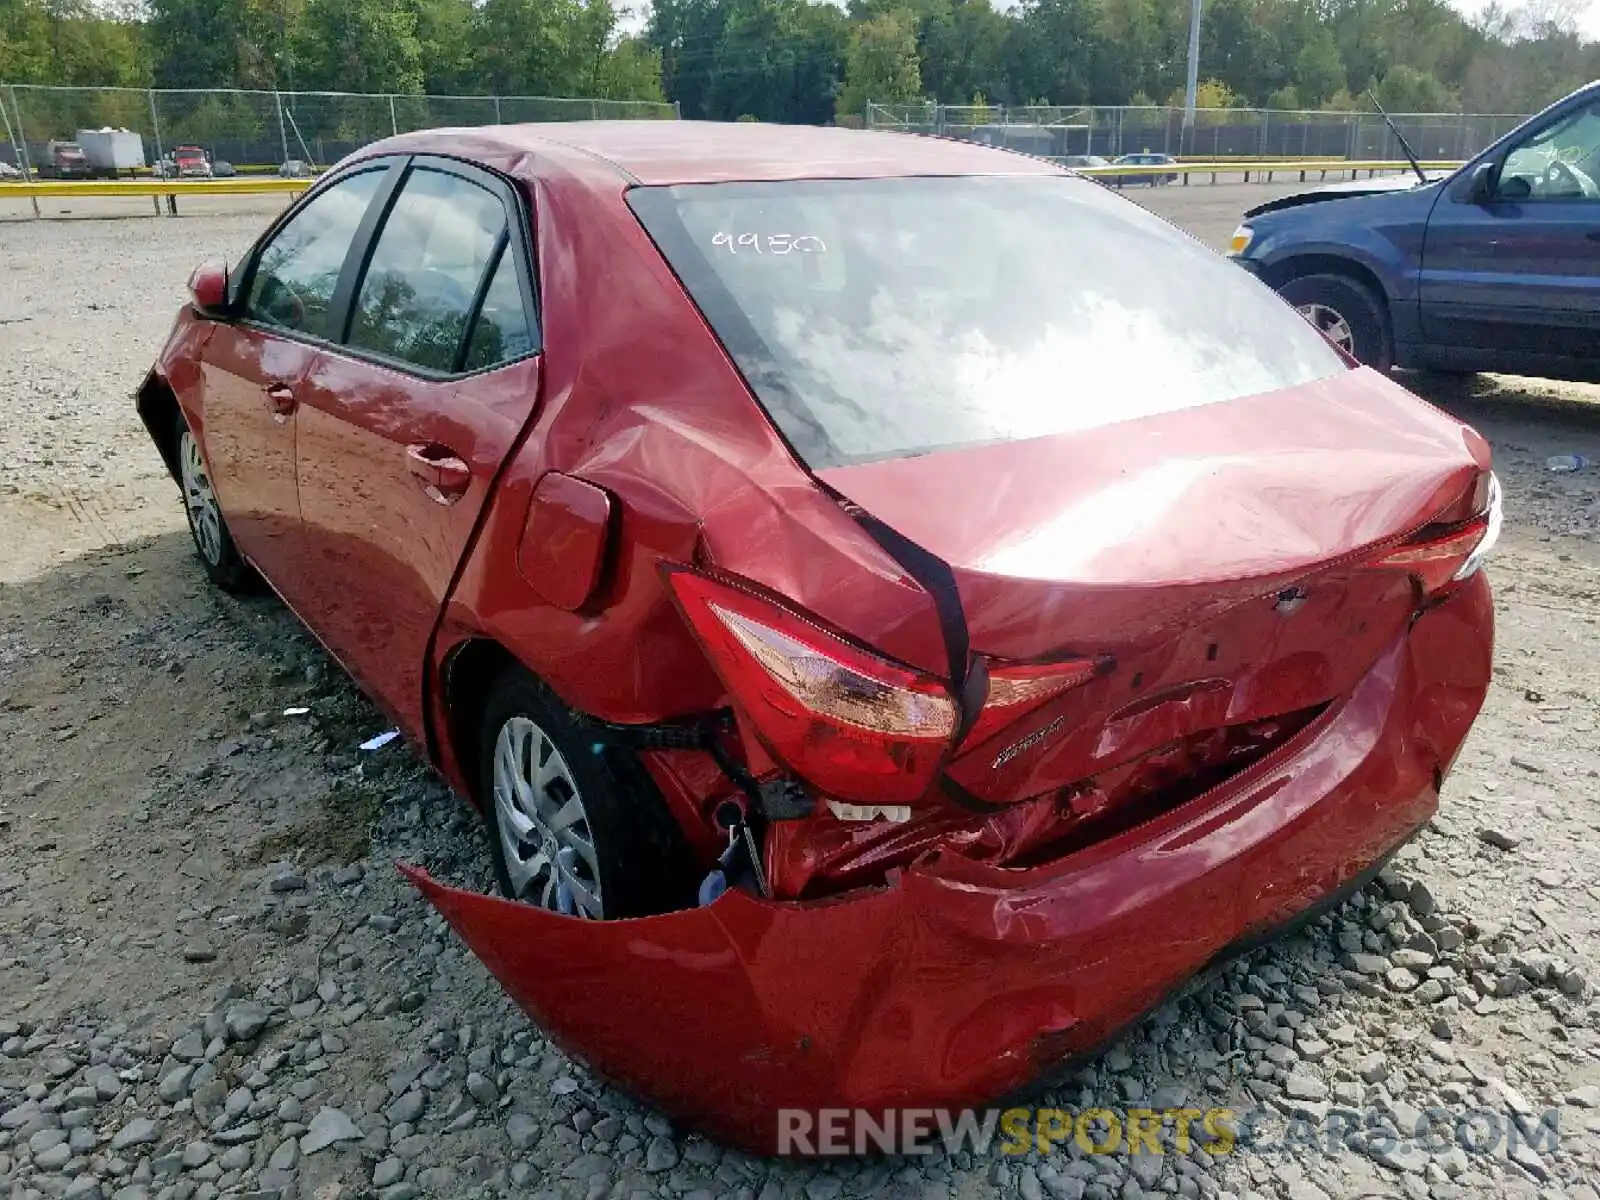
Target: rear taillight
{"points": [[1439, 557], [1016, 689], [850, 722]]}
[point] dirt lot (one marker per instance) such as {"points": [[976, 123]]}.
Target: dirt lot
{"points": [[212, 981]]}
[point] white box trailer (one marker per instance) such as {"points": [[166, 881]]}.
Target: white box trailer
{"points": [[111, 151]]}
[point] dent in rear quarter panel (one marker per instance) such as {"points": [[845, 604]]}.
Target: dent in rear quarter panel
{"points": [[624, 655], [656, 402], [640, 401]]}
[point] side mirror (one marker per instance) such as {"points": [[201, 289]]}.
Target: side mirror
{"points": [[1480, 188], [208, 286]]}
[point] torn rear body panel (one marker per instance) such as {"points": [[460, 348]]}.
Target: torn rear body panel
{"points": [[956, 981]]}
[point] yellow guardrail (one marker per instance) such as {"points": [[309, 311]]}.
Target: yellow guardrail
{"points": [[236, 186], [156, 189], [1263, 172]]}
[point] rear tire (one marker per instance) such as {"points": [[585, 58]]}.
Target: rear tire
{"points": [[1347, 312], [574, 826], [213, 544]]}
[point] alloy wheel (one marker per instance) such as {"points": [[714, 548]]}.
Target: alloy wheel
{"points": [[542, 824], [205, 518], [1331, 324]]}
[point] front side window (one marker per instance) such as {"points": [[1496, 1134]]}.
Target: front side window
{"points": [[436, 246], [297, 271], [1559, 162], [885, 318]]}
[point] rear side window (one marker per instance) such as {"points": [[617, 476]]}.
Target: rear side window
{"points": [[885, 318], [436, 246], [500, 332], [295, 275]]}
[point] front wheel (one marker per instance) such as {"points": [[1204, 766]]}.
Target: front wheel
{"points": [[1347, 313], [212, 542]]}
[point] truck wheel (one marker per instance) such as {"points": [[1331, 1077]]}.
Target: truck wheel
{"points": [[1347, 313]]}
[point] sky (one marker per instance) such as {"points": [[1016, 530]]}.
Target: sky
{"points": [[1588, 13]]}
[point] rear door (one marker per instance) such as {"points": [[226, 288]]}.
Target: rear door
{"points": [[1520, 273], [252, 367], [402, 430]]}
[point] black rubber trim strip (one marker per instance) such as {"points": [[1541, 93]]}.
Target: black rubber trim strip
{"points": [[957, 794], [936, 577], [698, 734], [969, 681]]}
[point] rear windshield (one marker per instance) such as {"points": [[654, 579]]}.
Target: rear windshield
{"points": [[886, 318]]}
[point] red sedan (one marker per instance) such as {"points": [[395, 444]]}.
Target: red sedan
{"points": [[900, 608]]}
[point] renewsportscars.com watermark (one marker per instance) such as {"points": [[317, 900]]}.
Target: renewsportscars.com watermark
{"points": [[1019, 1131]]}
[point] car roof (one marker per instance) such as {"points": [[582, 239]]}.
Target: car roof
{"points": [[661, 152]]}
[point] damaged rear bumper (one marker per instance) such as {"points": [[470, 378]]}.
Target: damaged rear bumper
{"points": [[959, 982]]}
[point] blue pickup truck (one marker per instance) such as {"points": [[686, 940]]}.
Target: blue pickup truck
{"points": [[1493, 267]]}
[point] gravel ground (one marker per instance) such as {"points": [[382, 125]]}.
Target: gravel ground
{"points": [[212, 982]]}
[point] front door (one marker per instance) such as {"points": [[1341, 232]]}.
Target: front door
{"points": [[403, 430], [248, 377], [1520, 272], [252, 369]]}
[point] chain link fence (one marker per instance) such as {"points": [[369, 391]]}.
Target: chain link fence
{"points": [[1218, 133], [259, 131]]}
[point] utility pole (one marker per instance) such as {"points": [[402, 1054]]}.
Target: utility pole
{"points": [[1193, 84]]}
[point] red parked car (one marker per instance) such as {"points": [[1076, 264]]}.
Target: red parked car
{"points": [[900, 608]]}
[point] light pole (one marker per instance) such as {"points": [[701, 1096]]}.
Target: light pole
{"points": [[1193, 83]]}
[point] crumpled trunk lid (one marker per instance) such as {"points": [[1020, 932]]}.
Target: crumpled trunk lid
{"points": [[1212, 555]]}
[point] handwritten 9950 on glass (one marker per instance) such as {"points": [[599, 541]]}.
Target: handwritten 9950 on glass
{"points": [[772, 243]]}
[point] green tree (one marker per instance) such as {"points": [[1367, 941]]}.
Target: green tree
{"points": [[776, 60], [1049, 50], [631, 71], [223, 43], [687, 34], [1240, 50], [444, 33], [25, 41], [1407, 90], [95, 47], [1318, 69], [881, 64], [73, 42], [358, 46], [960, 44], [1128, 49], [545, 47], [779, 60]]}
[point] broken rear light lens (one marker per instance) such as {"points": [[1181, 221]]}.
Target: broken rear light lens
{"points": [[1494, 514], [1439, 557], [1016, 689], [847, 721]]}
